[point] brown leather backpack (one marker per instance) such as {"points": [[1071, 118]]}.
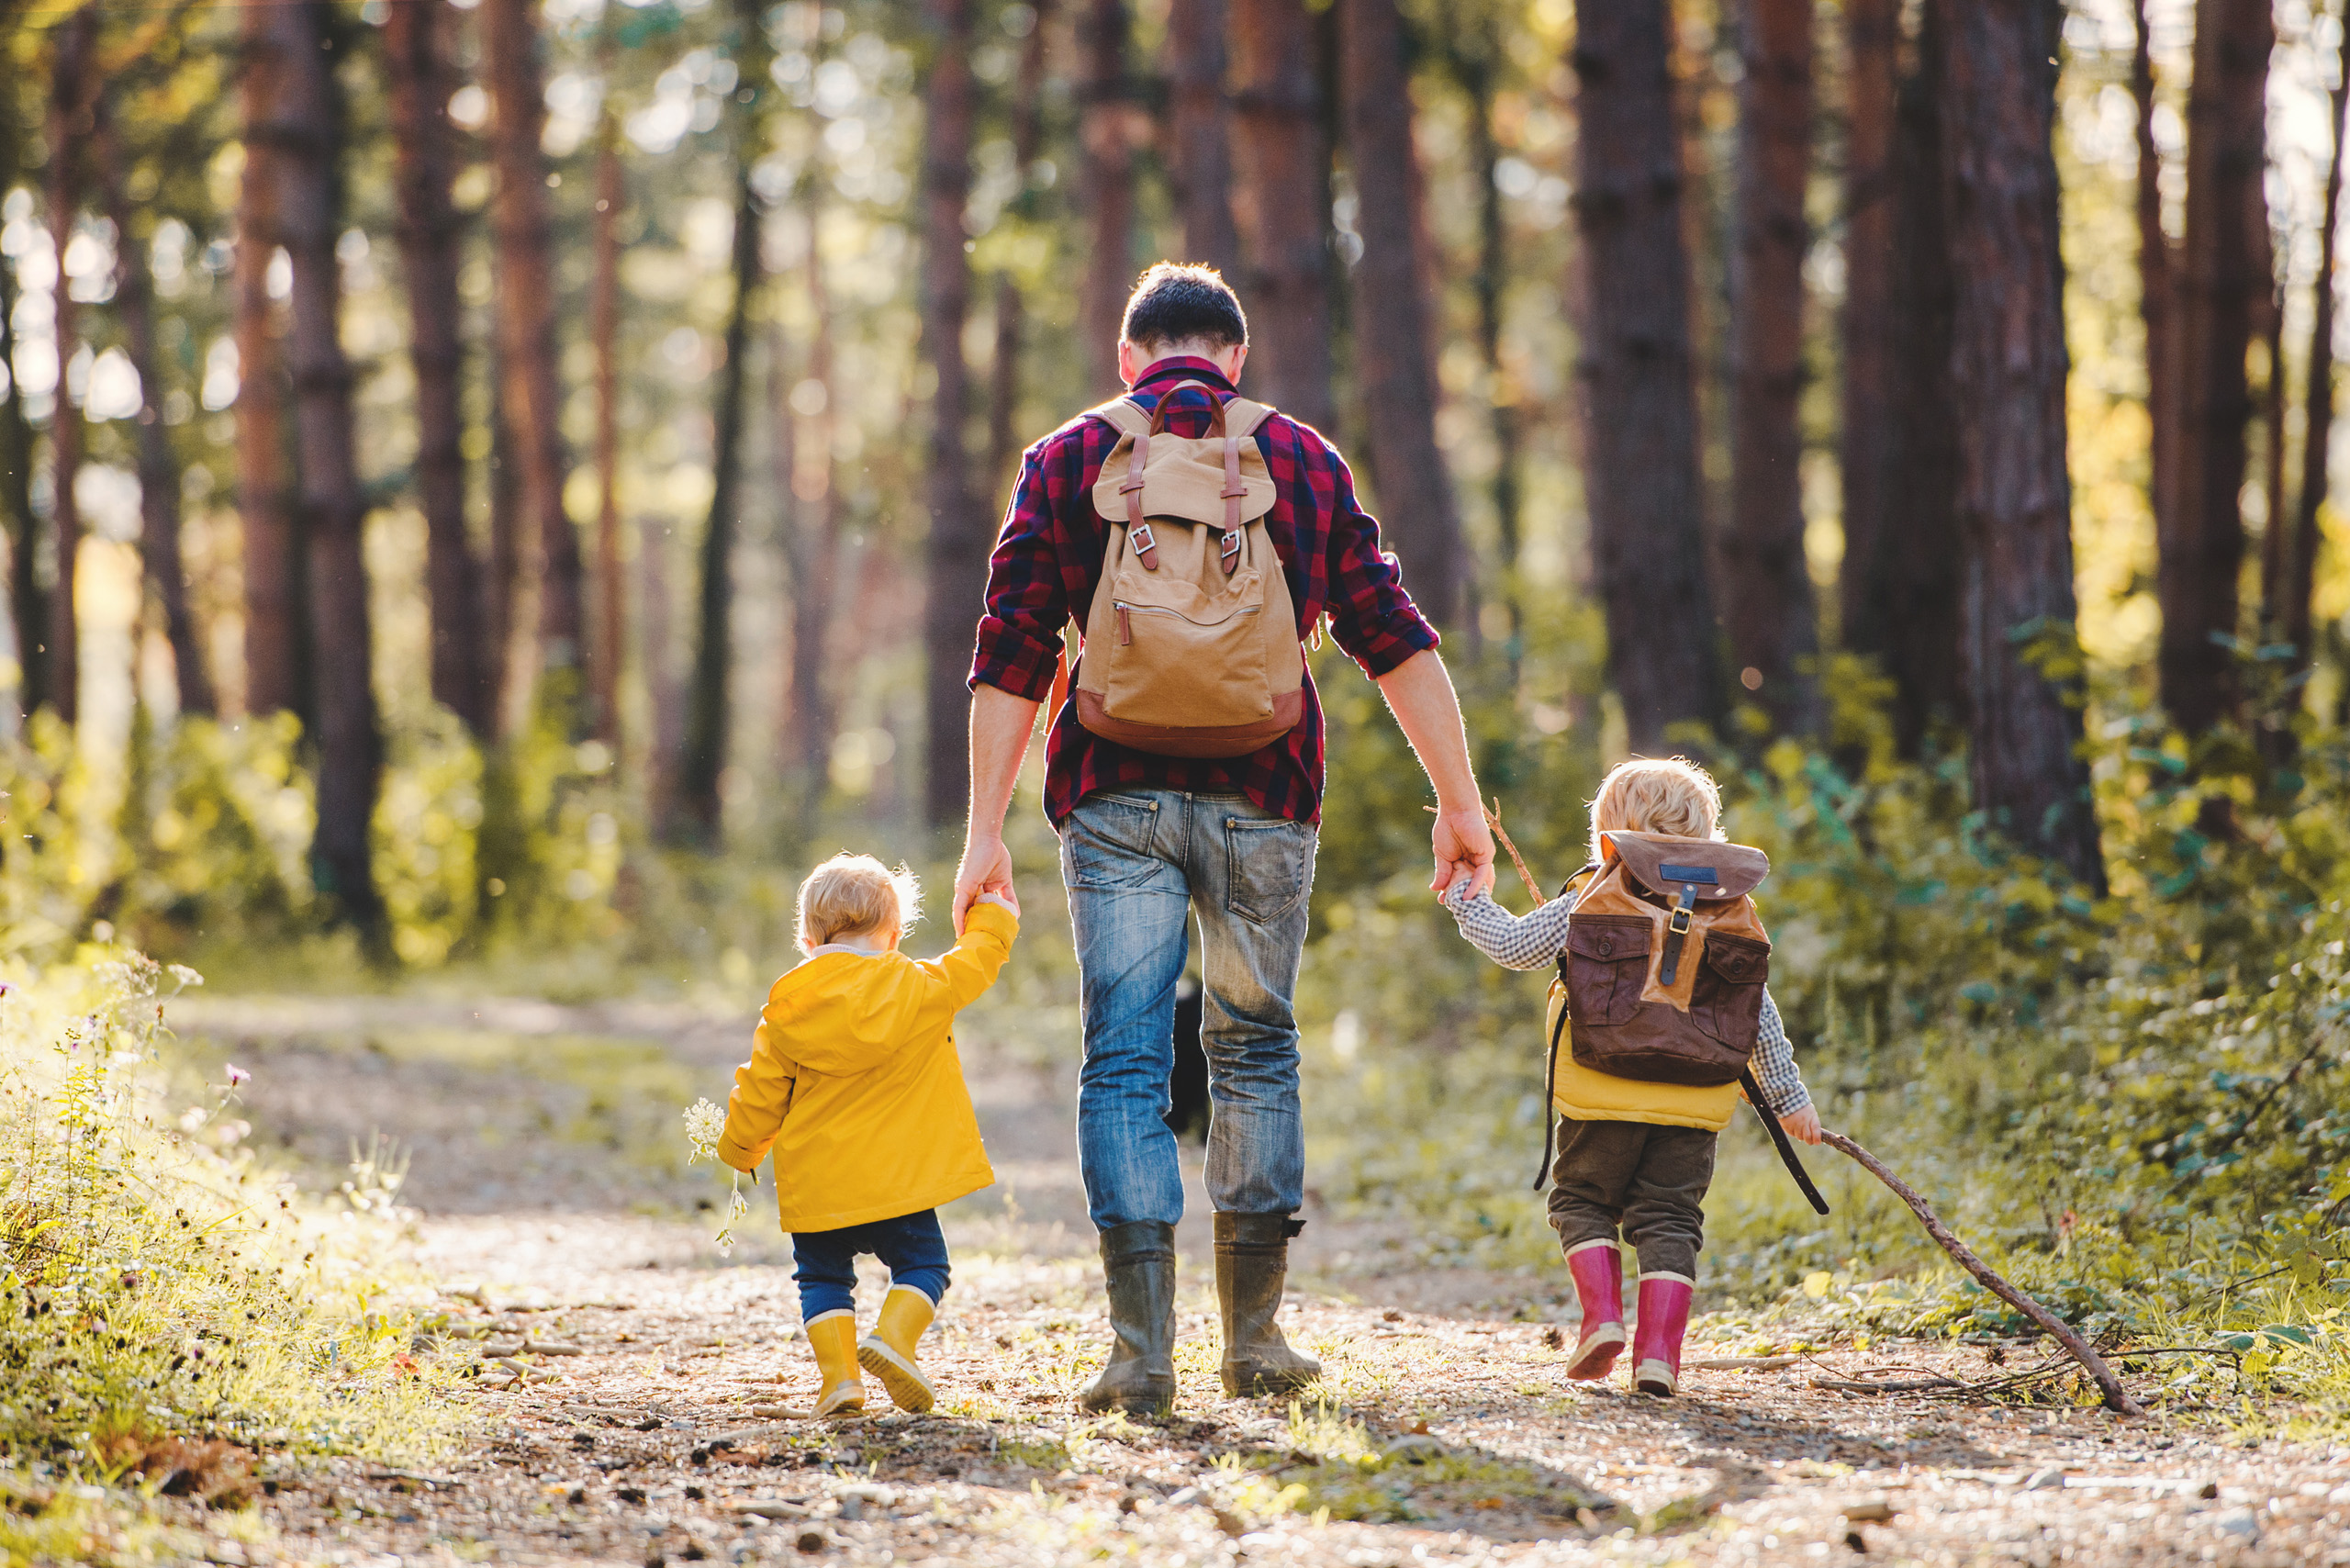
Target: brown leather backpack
{"points": [[1190, 648]]}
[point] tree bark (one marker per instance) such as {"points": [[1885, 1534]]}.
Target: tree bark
{"points": [[1394, 357], [1999, 103], [1475, 62], [2223, 290], [1282, 202], [1105, 185], [1640, 406], [1870, 369], [417, 61], [1767, 600], [27, 608], [2159, 266], [72, 82], [608, 648], [1901, 564], [815, 537], [529, 353], [1200, 133], [275, 615], [159, 468], [2293, 617], [1010, 310], [309, 122], [959, 537], [504, 588], [710, 699]]}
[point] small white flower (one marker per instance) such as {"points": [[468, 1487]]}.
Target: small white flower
{"points": [[704, 1124]]}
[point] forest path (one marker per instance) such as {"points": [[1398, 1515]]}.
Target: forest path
{"points": [[658, 1423]]}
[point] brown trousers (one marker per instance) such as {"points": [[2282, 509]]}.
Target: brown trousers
{"points": [[1650, 1181]]}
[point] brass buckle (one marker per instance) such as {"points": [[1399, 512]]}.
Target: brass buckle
{"points": [[1679, 924]]}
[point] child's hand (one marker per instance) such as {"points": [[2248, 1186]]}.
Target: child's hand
{"points": [[1802, 1126], [1005, 895]]}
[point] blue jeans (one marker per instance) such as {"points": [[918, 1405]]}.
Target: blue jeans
{"points": [[824, 1261], [1137, 863]]}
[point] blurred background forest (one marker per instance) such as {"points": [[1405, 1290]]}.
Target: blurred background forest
{"points": [[494, 486]]}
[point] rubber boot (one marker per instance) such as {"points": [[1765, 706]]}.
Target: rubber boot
{"points": [[1656, 1339], [1138, 1269], [889, 1352], [833, 1336], [1251, 1263], [1597, 1270]]}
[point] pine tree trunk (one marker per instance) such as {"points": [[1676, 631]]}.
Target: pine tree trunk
{"points": [[1475, 65], [1871, 370], [958, 531], [28, 610], [710, 699], [530, 354], [1767, 600], [1640, 405], [417, 61], [159, 468], [1010, 310], [815, 560], [71, 83], [275, 615], [503, 590], [1395, 359], [2293, 620], [1105, 185], [2223, 288], [1282, 202], [309, 120], [609, 647], [2159, 266], [1998, 104], [1200, 133]]}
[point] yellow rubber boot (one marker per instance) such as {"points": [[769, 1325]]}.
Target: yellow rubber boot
{"points": [[833, 1337], [889, 1352]]}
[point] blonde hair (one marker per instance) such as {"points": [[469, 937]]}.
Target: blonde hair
{"points": [[852, 895], [1670, 795]]}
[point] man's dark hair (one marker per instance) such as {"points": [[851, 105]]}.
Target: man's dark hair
{"points": [[1173, 304]]}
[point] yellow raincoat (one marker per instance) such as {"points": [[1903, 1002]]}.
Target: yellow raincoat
{"points": [[855, 1083]]}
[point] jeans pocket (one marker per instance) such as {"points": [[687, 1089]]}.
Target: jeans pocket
{"points": [[1267, 866], [1106, 842]]}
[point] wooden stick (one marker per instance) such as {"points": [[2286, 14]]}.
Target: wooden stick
{"points": [[2117, 1399]]}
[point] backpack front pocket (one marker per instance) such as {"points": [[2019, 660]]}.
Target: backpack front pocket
{"points": [[1607, 968], [1727, 1001], [1199, 668]]}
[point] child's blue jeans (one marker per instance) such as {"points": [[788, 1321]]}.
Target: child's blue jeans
{"points": [[824, 1261]]}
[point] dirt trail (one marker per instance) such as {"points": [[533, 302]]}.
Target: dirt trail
{"points": [[653, 1421]]}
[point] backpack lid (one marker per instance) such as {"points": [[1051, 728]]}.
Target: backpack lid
{"points": [[1706, 867], [1219, 479]]}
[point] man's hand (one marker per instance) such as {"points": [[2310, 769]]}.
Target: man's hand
{"points": [[1464, 845], [986, 868], [1802, 1126]]}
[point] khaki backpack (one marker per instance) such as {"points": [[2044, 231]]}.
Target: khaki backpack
{"points": [[1190, 648]]}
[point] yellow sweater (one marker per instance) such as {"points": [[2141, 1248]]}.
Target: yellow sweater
{"points": [[855, 1083]]}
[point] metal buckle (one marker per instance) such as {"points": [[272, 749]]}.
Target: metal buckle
{"points": [[1679, 924], [1146, 545], [1231, 553]]}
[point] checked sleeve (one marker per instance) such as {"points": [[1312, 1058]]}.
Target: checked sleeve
{"points": [[1027, 596]]}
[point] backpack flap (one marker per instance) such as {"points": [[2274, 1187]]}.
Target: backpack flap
{"points": [[1219, 480]]}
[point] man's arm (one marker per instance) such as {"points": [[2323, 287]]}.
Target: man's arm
{"points": [[1000, 725], [1420, 693]]}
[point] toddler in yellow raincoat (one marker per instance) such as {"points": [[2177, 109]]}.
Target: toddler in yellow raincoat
{"points": [[855, 1083]]}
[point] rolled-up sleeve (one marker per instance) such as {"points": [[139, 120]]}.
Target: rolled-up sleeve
{"points": [[1027, 601], [1371, 616]]}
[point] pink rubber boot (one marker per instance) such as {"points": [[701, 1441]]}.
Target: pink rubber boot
{"points": [[1598, 1272], [1656, 1339]]}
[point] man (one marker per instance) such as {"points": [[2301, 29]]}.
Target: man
{"points": [[1146, 839]]}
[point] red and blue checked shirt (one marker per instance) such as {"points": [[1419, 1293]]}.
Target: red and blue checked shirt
{"points": [[1048, 559]]}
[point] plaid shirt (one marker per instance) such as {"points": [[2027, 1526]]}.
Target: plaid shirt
{"points": [[1048, 559]]}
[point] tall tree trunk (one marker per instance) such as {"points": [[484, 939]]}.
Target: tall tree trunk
{"points": [[2224, 290], [1999, 105], [1010, 310], [1639, 403], [28, 611], [1872, 85], [309, 123], [530, 354], [417, 61], [276, 661], [72, 79], [1105, 185], [1394, 360], [2293, 618], [958, 530], [1281, 160], [2158, 267], [709, 701], [1476, 63], [504, 586], [1200, 133], [1767, 600], [159, 468], [816, 535], [609, 647]]}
